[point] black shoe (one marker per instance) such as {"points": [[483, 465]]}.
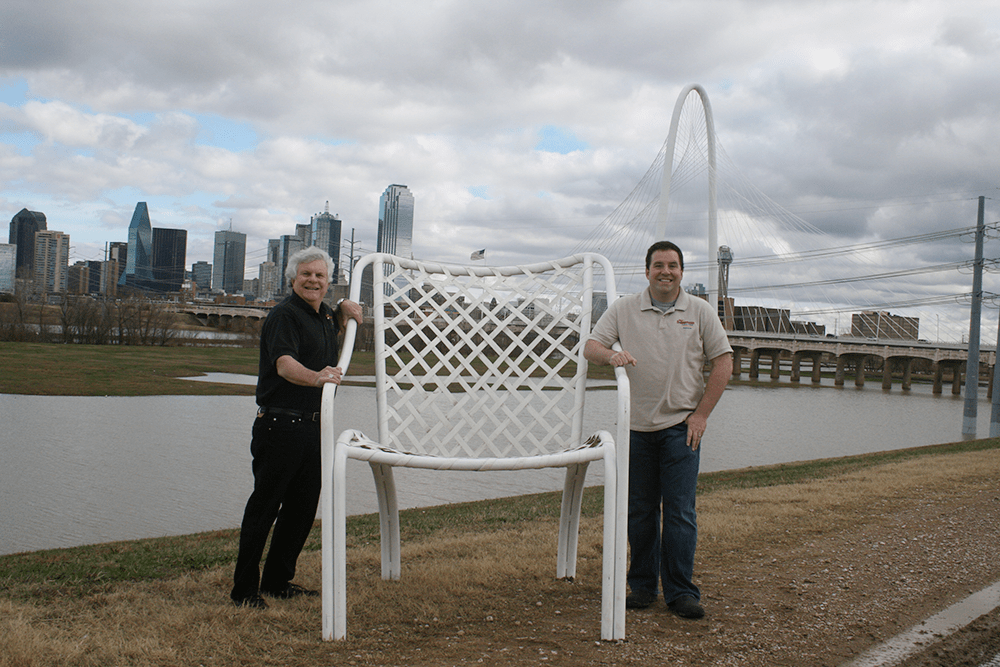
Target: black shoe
{"points": [[639, 599], [251, 601], [686, 607], [291, 591]]}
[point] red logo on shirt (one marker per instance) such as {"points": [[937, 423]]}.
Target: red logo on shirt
{"points": [[685, 323]]}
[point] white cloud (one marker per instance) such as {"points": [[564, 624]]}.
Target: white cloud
{"points": [[830, 108]]}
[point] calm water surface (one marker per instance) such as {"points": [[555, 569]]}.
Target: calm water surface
{"points": [[97, 469]]}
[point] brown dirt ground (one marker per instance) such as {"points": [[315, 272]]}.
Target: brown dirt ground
{"points": [[814, 587], [807, 574], [860, 559]]}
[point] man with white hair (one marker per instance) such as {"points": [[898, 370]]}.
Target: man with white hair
{"points": [[298, 355]]}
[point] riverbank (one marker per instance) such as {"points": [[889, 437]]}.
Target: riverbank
{"points": [[801, 564], [51, 369]]}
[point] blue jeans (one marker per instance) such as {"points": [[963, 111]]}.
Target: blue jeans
{"points": [[662, 471]]}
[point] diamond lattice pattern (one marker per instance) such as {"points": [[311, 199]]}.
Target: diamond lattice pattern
{"points": [[481, 365]]}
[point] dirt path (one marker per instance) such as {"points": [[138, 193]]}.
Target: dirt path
{"points": [[809, 574], [863, 559]]}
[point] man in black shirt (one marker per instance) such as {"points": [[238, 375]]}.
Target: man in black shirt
{"points": [[298, 355]]}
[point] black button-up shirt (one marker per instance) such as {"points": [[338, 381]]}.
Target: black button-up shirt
{"points": [[294, 328]]}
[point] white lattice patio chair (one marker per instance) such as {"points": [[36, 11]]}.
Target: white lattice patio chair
{"points": [[469, 376]]}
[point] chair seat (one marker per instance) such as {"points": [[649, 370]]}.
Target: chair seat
{"points": [[363, 448]]}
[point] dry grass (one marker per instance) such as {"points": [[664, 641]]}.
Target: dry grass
{"points": [[465, 595]]}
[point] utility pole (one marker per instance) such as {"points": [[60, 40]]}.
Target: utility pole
{"points": [[353, 259], [972, 363]]}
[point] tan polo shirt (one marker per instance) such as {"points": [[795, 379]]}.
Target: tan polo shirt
{"points": [[670, 350]]}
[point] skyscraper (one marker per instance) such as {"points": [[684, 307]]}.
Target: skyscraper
{"points": [[138, 271], [395, 221], [23, 226], [288, 245], [326, 230], [201, 274], [267, 285], [115, 260], [51, 262], [8, 267], [169, 256], [229, 263]]}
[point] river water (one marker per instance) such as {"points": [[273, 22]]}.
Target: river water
{"points": [[83, 470]]}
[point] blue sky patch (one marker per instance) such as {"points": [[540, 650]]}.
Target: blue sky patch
{"points": [[480, 191], [222, 132], [13, 92], [559, 140], [22, 142]]}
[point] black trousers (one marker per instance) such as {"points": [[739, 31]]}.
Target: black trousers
{"points": [[287, 481]]}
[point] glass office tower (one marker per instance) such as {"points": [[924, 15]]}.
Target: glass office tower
{"points": [[325, 232], [23, 226], [395, 221], [169, 257], [228, 266], [139, 265]]}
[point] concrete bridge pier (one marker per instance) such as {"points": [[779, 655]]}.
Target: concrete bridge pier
{"points": [[956, 376], [887, 375], [775, 364], [857, 361], [797, 366], [737, 363], [754, 364], [904, 364], [859, 372], [907, 373]]}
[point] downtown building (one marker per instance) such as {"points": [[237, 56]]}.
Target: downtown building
{"points": [[395, 222], [138, 273], [51, 262], [8, 268], [278, 252], [85, 277], [395, 227], [168, 260], [883, 324], [325, 231], [229, 261], [201, 274], [113, 267], [23, 226]]}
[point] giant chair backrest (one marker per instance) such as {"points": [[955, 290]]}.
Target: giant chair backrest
{"points": [[481, 362]]}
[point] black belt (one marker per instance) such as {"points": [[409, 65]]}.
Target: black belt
{"points": [[298, 414]]}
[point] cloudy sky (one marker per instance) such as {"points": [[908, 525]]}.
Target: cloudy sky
{"points": [[518, 125]]}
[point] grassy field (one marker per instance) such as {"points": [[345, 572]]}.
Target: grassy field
{"points": [[48, 369], [80, 570], [109, 370]]}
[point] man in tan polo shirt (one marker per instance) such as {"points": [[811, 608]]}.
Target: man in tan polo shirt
{"points": [[666, 336]]}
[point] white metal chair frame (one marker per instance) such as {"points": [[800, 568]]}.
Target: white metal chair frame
{"points": [[442, 411]]}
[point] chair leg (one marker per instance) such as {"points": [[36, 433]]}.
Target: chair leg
{"points": [[569, 520], [615, 546], [388, 511], [339, 556], [327, 539]]}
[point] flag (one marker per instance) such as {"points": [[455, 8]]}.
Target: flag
{"points": [[479, 254]]}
